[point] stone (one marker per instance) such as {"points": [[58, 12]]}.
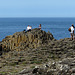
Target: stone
{"points": [[32, 39]]}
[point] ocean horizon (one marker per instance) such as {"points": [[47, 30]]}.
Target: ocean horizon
{"points": [[58, 26]]}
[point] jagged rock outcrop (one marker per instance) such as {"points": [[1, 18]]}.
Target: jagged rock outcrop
{"points": [[22, 40]]}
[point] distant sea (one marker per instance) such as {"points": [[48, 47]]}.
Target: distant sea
{"points": [[57, 26]]}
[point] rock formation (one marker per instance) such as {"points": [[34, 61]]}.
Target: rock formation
{"points": [[37, 53], [22, 40]]}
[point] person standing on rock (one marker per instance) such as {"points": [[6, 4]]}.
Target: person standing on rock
{"points": [[72, 32]]}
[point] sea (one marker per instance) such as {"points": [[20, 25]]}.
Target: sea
{"points": [[57, 26]]}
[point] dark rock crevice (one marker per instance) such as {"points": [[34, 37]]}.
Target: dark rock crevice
{"points": [[1, 49]]}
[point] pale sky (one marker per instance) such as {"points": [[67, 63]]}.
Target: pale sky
{"points": [[37, 8]]}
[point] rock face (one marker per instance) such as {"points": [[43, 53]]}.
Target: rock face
{"points": [[22, 40]]}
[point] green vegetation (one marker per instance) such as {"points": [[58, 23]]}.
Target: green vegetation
{"points": [[13, 64], [3, 73], [32, 66], [36, 62]]}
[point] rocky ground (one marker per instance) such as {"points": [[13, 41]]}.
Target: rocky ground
{"points": [[51, 57]]}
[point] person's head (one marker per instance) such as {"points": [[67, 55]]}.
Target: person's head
{"points": [[40, 25], [72, 25], [28, 25]]}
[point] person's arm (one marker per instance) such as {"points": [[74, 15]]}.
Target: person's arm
{"points": [[73, 31], [27, 29]]}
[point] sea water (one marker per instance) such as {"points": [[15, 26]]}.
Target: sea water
{"points": [[57, 26]]}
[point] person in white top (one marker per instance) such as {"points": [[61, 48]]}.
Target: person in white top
{"points": [[28, 28], [72, 32]]}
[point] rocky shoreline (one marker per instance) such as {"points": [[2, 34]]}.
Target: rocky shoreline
{"points": [[36, 53]]}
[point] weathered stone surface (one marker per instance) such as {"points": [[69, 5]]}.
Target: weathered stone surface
{"points": [[53, 68], [28, 50], [22, 40]]}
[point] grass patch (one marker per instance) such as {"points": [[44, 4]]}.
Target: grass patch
{"points": [[13, 63], [32, 67], [24, 63], [3, 73], [36, 62]]}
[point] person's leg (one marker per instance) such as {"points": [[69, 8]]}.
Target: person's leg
{"points": [[71, 36]]}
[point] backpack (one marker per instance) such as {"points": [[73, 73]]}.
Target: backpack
{"points": [[69, 29]]}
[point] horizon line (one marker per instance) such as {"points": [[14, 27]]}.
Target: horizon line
{"points": [[37, 17]]}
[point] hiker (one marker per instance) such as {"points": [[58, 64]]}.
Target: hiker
{"points": [[40, 26], [72, 32]]}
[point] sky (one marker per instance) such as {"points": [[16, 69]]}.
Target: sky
{"points": [[37, 8]]}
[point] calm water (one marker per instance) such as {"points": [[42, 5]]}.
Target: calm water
{"points": [[57, 26]]}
